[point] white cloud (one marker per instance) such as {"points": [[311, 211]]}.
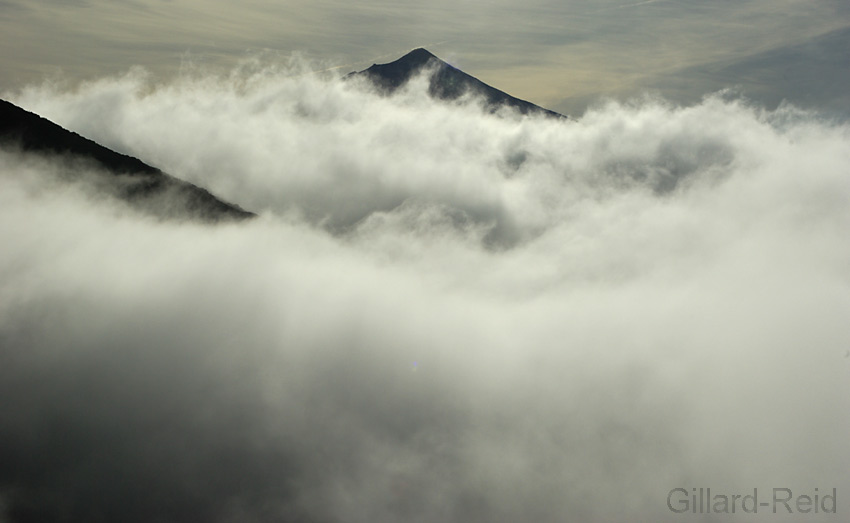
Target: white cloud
{"points": [[440, 315]]}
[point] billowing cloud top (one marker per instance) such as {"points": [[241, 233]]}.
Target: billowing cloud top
{"points": [[440, 315]]}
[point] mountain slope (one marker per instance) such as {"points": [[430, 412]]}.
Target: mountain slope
{"points": [[446, 82], [127, 178]]}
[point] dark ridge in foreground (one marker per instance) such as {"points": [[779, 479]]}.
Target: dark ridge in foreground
{"points": [[447, 82], [144, 187]]}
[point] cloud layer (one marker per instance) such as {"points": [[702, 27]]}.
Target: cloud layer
{"points": [[441, 315]]}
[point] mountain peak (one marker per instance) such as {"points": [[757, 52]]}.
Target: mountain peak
{"points": [[393, 75], [419, 56], [446, 82]]}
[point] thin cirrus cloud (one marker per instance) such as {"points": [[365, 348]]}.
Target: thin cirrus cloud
{"points": [[563, 55], [439, 315]]}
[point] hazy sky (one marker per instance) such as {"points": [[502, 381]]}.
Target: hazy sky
{"points": [[561, 54]]}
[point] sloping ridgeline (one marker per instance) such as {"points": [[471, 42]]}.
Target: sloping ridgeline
{"points": [[145, 188]]}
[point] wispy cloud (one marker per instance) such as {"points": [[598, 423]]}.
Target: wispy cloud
{"points": [[560, 54], [638, 4]]}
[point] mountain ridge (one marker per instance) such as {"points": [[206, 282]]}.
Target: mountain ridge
{"points": [[139, 184]]}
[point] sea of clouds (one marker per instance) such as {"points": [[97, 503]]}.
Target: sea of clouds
{"points": [[439, 314]]}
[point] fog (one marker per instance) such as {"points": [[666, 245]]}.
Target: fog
{"points": [[439, 315]]}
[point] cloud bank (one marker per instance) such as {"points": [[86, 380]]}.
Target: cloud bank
{"points": [[440, 315]]}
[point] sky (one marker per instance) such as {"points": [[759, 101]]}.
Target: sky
{"points": [[439, 314], [562, 54]]}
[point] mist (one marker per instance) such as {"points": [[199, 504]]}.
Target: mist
{"points": [[440, 314]]}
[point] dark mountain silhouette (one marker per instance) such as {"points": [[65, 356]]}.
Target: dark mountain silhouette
{"points": [[144, 187], [446, 83]]}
